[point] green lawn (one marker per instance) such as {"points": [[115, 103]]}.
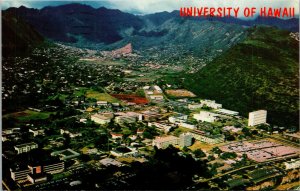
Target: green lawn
{"points": [[101, 96], [28, 115]]}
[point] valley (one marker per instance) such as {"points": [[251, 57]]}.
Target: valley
{"points": [[100, 99]]}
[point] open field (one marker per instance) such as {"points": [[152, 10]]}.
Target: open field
{"points": [[131, 98], [101, 96], [180, 93], [200, 145], [27, 115]]}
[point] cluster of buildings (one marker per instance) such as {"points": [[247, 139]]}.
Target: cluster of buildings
{"points": [[261, 151], [154, 93]]}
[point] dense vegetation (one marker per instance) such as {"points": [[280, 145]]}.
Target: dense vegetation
{"points": [[19, 36], [259, 73]]}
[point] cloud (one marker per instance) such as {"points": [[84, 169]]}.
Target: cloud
{"points": [[152, 6]]}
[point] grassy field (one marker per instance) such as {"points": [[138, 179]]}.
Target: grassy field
{"points": [[101, 96], [200, 145], [28, 115]]}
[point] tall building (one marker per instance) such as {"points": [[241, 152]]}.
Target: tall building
{"points": [[185, 140], [257, 117]]}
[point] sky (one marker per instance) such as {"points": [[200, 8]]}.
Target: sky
{"points": [[152, 6]]}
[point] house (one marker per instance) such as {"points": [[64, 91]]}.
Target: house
{"points": [[82, 120], [139, 132], [206, 116], [116, 136]]}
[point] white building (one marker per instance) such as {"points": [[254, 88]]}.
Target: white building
{"points": [[257, 117], [186, 125], [100, 119], [227, 112], [294, 163], [194, 106], [185, 140], [178, 118], [206, 116], [125, 119], [158, 89], [102, 103], [211, 104], [164, 142], [156, 97], [26, 147]]}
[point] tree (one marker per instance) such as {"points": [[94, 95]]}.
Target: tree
{"points": [[199, 153], [67, 140], [185, 149], [147, 135], [211, 158], [216, 150]]}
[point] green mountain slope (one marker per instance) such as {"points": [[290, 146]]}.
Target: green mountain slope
{"points": [[18, 36], [259, 73]]}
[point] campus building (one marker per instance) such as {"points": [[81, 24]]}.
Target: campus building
{"points": [[257, 117]]}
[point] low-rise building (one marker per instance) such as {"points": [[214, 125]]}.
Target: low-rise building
{"points": [[36, 172], [227, 112], [204, 137], [178, 118], [26, 147], [164, 142], [232, 129], [124, 151], [102, 103], [294, 163], [211, 104], [156, 97], [116, 135], [101, 118], [206, 116], [65, 154], [187, 125], [150, 115], [71, 134], [194, 106], [37, 131], [165, 127]]}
